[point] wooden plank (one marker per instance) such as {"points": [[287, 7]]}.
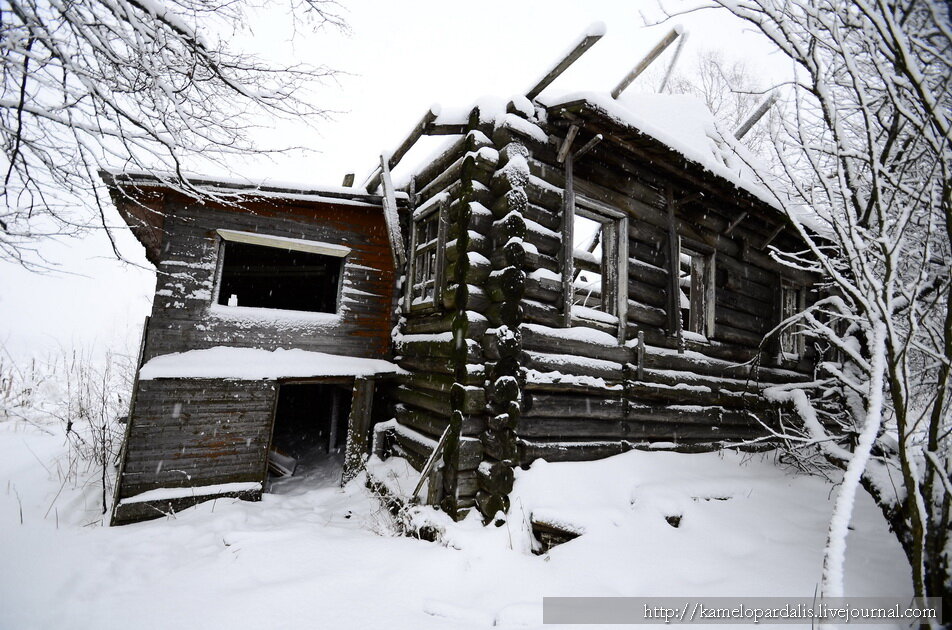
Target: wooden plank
{"points": [[756, 115], [674, 262], [588, 146], [673, 62], [546, 339], [568, 242], [358, 428], [567, 143], [428, 118], [646, 61], [390, 215], [735, 223], [428, 466], [592, 34], [434, 129], [621, 292]]}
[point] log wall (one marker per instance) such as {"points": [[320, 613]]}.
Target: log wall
{"points": [[502, 357], [440, 343]]}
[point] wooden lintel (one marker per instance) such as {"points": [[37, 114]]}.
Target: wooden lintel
{"points": [[588, 39], [588, 146], [646, 61], [773, 235], [567, 143], [374, 180], [435, 129], [735, 223]]}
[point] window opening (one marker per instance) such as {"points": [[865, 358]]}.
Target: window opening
{"points": [[272, 277], [588, 253], [425, 260], [792, 301], [695, 291]]}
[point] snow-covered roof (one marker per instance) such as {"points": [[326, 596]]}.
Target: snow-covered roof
{"points": [[256, 364], [682, 123], [229, 188]]}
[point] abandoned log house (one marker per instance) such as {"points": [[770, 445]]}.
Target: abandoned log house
{"points": [[572, 277]]}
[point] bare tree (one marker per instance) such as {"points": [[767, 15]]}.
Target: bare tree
{"points": [[132, 84], [867, 148], [730, 88]]}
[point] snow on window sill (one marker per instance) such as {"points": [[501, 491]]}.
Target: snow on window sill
{"points": [[272, 315], [694, 337]]}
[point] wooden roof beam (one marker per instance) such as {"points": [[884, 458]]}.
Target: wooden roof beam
{"points": [[588, 146], [391, 218], [773, 235], [735, 223], [674, 61], [756, 115], [418, 130], [647, 60], [567, 143], [591, 35]]}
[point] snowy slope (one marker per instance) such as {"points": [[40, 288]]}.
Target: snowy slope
{"points": [[317, 556]]}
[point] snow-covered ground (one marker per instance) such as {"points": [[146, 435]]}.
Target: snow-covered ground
{"points": [[312, 555]]}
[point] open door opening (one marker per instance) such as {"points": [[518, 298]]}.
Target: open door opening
{"points": [[309, 435]]}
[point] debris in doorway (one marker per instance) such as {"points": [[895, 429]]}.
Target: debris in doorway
{"points": [[280, 464]]}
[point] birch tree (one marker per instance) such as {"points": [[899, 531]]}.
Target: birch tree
{"points": [[130, 84], [865, 147]]}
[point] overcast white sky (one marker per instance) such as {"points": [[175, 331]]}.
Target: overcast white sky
{"points": [[400, 57]]}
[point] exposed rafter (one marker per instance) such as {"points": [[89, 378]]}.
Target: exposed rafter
{"points": [[591, 35], [567, 143], [390, 215], [588, 146], [674, 61], [418, 130], [647, 60], [756, 115]]}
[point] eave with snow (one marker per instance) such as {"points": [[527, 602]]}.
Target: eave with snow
{"points": [[572, 277]]}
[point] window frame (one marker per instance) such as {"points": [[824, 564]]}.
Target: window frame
{"points": [[614, 243], [708, 300], [438, 273], [275, 241], [790, 333]]}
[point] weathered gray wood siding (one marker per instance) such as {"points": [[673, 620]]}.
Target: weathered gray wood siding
{"points": [[194, 432], [184, 316]]}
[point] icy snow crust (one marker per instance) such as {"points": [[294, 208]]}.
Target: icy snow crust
{"points": [[319, 556], [255, 363]]}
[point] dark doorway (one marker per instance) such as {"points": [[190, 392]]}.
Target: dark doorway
{"points": [[310, 429]]}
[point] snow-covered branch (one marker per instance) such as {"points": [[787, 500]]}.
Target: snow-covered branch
{"points": [[141, 84]]}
